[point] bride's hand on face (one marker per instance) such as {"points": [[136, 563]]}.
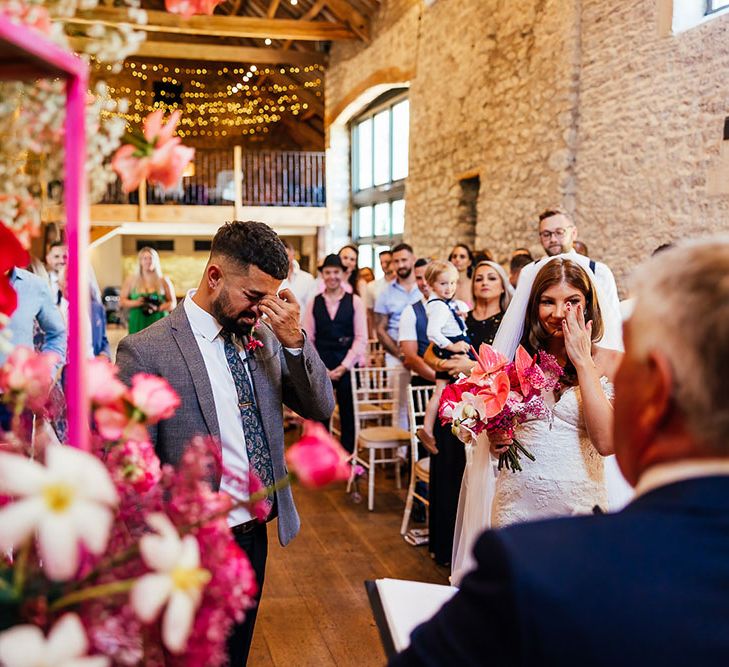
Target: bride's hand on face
{"points": [[577, 336], [499, 443]]}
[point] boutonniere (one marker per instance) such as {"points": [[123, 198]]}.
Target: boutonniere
{"points": [[252, 343]]}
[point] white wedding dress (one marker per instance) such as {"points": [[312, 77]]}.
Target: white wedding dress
{"points": [[567, 478]]}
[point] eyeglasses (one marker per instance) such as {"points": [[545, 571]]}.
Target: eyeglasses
{"points": [[557, 233]]}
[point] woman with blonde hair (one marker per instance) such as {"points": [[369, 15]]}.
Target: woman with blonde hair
{"points": [[147, 293], [492, 294]]}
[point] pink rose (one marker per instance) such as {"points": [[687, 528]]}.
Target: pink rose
{"points": [[134, 465], [28, 376], [153, 397], [317, 459], [103, 386], [114, 423]]}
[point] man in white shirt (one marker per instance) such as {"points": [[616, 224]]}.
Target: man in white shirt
{"points": [[230, 390], [56, 259], [647, 585], [376, 286], [300, 282]]}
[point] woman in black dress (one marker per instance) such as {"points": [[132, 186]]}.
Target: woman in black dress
{"points": [[491, 295]]}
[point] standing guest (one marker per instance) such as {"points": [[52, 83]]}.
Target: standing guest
{"points": [[228, 392], [484, 255], [516, 264], [413, 332], [56, 259], [301, 283], [643, 586], [491, 295], [397, 295], [558, 233], [349, 255], [336, 324], [462, 258], [36, 307], [147, 294], [374, 288], [580, 247], [99, 340], [367, 275]]}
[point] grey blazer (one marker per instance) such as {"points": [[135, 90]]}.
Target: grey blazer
{"points": [[168, 348]]}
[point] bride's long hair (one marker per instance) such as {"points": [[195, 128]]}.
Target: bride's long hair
{"points": [[553, 273]]}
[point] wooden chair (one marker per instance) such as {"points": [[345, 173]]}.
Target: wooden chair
{"points": [[419, 468], [376, 439], [375, 353]]}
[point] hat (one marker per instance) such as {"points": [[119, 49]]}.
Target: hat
{"points": [[332, 261]]}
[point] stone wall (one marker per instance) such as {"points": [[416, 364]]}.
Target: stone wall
{"points": [[577, 103], [652, 111]]}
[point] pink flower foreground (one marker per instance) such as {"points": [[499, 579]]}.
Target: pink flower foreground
{"points": [[157, 156], [318, 459]]}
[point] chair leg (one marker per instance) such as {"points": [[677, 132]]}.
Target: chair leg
{"points": [[371, 482], [408, 507], [398, 481]]}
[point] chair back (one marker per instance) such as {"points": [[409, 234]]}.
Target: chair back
{"points": [[375, 353], [418, 398], [374, 395]]}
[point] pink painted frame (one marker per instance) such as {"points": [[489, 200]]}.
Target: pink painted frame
{"points": [[27, 54]]}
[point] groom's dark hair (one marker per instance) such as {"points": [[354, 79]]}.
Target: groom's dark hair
{"points": [[251, 242]]}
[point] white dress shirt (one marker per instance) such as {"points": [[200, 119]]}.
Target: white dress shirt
{"points": [[302, 284], [206, 330]]}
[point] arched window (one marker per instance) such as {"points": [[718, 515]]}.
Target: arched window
{"points": [[380, 137]]}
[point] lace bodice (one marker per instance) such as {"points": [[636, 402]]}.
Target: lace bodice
{"points": [[568, 476]]}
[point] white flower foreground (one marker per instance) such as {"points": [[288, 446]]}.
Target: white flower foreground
{"points": [[66, 502]]}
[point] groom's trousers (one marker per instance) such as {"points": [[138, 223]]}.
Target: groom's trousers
{"points": [[255, 544]]}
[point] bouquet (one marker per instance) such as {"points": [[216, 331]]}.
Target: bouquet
{"points": [[110, 558], [498, 396]]}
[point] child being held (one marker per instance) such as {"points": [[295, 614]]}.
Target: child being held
{"points": [[447, 332]]}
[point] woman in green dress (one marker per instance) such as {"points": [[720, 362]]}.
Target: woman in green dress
{"points": [[147, 294]]}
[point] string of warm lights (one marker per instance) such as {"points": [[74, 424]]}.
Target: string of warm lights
{"points": [[209, 110]]}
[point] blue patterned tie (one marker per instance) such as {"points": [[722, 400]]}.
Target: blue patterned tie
{"points": [[259, 454]]}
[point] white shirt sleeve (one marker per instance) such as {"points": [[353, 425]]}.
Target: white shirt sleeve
{"points": [[408, 325], [439, 316]]}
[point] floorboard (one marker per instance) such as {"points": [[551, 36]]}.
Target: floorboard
{"points": [[315, 609]]}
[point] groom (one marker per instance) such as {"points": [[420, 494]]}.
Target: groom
{"points": [[233, 393], [646, 586]]}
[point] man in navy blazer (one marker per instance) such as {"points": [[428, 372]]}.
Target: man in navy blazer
{"points": [[650, 584]]}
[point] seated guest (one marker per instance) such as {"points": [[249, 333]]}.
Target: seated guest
{"points": [[336, 323], [644, 586]]}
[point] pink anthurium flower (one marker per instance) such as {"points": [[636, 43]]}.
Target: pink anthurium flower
{"points": [[156, 155], [531, 377], [495, 393], [318, 459], [488, 362]]}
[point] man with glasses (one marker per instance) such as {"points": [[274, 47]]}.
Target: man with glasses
{"points": [[558, 233]]}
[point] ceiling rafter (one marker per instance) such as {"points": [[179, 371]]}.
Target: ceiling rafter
{"points": [[221, 26]]}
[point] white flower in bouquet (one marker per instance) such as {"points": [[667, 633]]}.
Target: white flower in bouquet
{"points": [[66, 646], [67, 501], [177, 582]]}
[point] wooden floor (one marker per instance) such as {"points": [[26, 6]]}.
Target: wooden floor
{"points": [[314, 609]]}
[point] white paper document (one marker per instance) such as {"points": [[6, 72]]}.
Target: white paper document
{"points": [[407, 604]]}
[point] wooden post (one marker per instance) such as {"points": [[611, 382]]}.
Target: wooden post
{"points": [[142, 210], [238, 178]]}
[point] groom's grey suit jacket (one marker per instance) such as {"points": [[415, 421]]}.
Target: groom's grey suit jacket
{"points": [[168, 348]]}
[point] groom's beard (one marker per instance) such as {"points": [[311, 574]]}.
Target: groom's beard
{"points": [[239, 323]]}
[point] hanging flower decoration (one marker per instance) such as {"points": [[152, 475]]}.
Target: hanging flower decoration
{"points": [[155, 154], [188, 8]]}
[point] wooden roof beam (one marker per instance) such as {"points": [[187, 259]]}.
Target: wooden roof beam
{"points": [[215, 53], [221, 26]]}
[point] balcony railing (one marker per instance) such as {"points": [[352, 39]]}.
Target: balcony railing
{"points": [[266, 178]]}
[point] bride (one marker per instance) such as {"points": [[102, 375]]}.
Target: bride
{"points": [[556, 308]]}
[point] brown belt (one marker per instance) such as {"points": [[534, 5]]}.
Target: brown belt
{"points": [[245, 528]]}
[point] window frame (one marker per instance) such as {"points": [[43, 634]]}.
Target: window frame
{"points": [[384, 193], [711, 9]]}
